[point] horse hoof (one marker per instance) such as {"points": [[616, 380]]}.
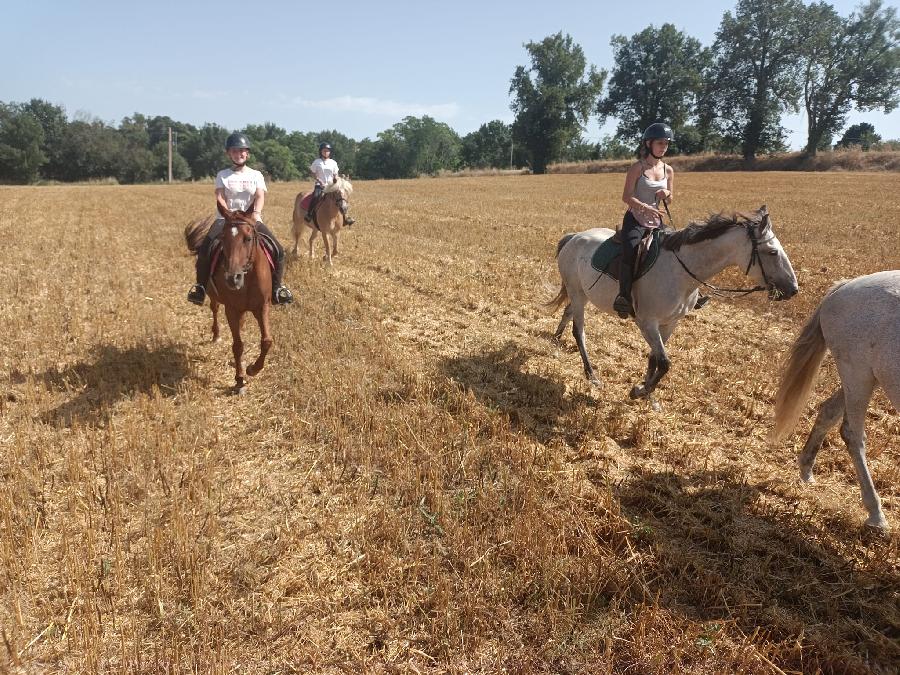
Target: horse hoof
{"points": [[241, 390], [806, 475], [655, 406], [253, 370], [637, 391], [878, 522], [595, 381]]}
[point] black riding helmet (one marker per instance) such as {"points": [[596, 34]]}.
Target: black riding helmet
{"points": [[237, 140], [324, 146], [658, 130]]}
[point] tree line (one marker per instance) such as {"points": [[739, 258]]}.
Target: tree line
{"points": [[769, 57]]}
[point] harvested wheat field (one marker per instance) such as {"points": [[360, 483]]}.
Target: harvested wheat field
{"points": [[419, 480]]}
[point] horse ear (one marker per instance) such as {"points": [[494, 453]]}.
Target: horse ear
{"points": [[763, 211], [765, 223]]}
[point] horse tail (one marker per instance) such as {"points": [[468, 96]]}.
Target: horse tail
{"points": [[562, 297], [195, 232], [563, 242], [800, 371]]}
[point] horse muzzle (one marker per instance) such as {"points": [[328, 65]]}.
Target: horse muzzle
{"points": [[782, 293], [235, 281]]}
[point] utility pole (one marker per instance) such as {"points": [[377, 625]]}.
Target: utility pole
{"points": [[511, 143], [170, 154]]}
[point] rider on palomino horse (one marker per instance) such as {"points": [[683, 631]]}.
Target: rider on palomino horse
{"points": [[325, 171], [236, 189]]}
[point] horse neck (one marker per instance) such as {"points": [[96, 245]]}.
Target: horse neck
{"points": [[707, 258]]}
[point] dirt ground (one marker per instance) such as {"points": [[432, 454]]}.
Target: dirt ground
{"points": [[420, 480]]}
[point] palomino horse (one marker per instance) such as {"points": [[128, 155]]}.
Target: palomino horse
{"points": [[327, 219], [242, 282], [669, 290], [859, 321]]}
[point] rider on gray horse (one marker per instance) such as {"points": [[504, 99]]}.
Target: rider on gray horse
{"points": [[648, 183]]}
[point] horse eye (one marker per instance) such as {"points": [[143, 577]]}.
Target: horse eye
{"points": [[773, 253], [248, 239]]}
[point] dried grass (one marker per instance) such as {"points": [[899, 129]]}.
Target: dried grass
{"points": [[420, 481]]}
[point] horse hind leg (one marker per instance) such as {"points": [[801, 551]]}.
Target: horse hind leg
{"points": [[830, 412], [578, 334], [858, 387], [312, 237], [564, 321], [214, 307]]}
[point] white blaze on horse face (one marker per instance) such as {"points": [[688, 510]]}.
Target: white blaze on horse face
{"points": [[234, 231]]}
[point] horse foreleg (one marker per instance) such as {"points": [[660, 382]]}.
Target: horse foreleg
{"points": [[563, 322], [578, 334], [265, 343], [214, 306], [858, 389], [658, 361], [830, 413], [237, 348], [334, 250]]}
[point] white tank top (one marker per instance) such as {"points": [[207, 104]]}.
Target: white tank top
{"points": [[645, 192]]}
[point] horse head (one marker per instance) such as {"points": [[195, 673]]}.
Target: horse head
{"points": [[341, 188], [769, 264], [238, 240]]}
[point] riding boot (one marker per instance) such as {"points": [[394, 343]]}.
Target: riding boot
{"points": [[197, 294], [280, 293], [701, 301], [622, 304]]}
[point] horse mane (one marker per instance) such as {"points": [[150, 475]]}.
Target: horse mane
{"points": [[342, 184], [702, 230], [195, 232]]}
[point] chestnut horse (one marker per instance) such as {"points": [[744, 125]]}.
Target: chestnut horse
{"points": [[327, 219], [242, 282]]}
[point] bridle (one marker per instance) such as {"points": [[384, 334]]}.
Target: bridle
{"points": [[253, 244], [755, 258]]}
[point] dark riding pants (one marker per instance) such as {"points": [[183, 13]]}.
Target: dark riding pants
{"points": [[631, 234]]}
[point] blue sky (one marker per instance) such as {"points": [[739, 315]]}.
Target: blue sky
{"points": [[354, 66]]}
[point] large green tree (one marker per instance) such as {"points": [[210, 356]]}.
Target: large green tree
{"points": [[491, 145], [658, 75], [205, 150], [862, 134], [54, 123], [846, 63], [756, 74], [553, 98], [21, 140]]}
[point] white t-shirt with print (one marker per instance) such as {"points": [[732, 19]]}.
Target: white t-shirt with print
{"points": [[240, 186], [325, 170]]}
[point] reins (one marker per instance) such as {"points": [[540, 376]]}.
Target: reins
{"points": [[754, 258]]}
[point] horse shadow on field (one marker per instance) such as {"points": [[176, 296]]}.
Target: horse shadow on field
{"points": [[112, 374], [727, 554], [532, 402]]}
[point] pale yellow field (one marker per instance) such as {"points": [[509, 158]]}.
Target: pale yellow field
{"points": [[420, 481]]}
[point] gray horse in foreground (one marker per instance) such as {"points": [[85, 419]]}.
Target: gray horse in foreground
{"points": [[859, 321], [669, 290]]}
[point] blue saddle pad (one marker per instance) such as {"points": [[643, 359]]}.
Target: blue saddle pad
{"points": [[608, 256]]}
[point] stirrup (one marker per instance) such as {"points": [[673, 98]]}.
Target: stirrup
{"points": [[623, 307], [282, 296], [701, 301], [197, 294], [307, 217]]}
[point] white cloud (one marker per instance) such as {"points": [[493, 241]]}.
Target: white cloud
{"points": [[374, 106]]}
